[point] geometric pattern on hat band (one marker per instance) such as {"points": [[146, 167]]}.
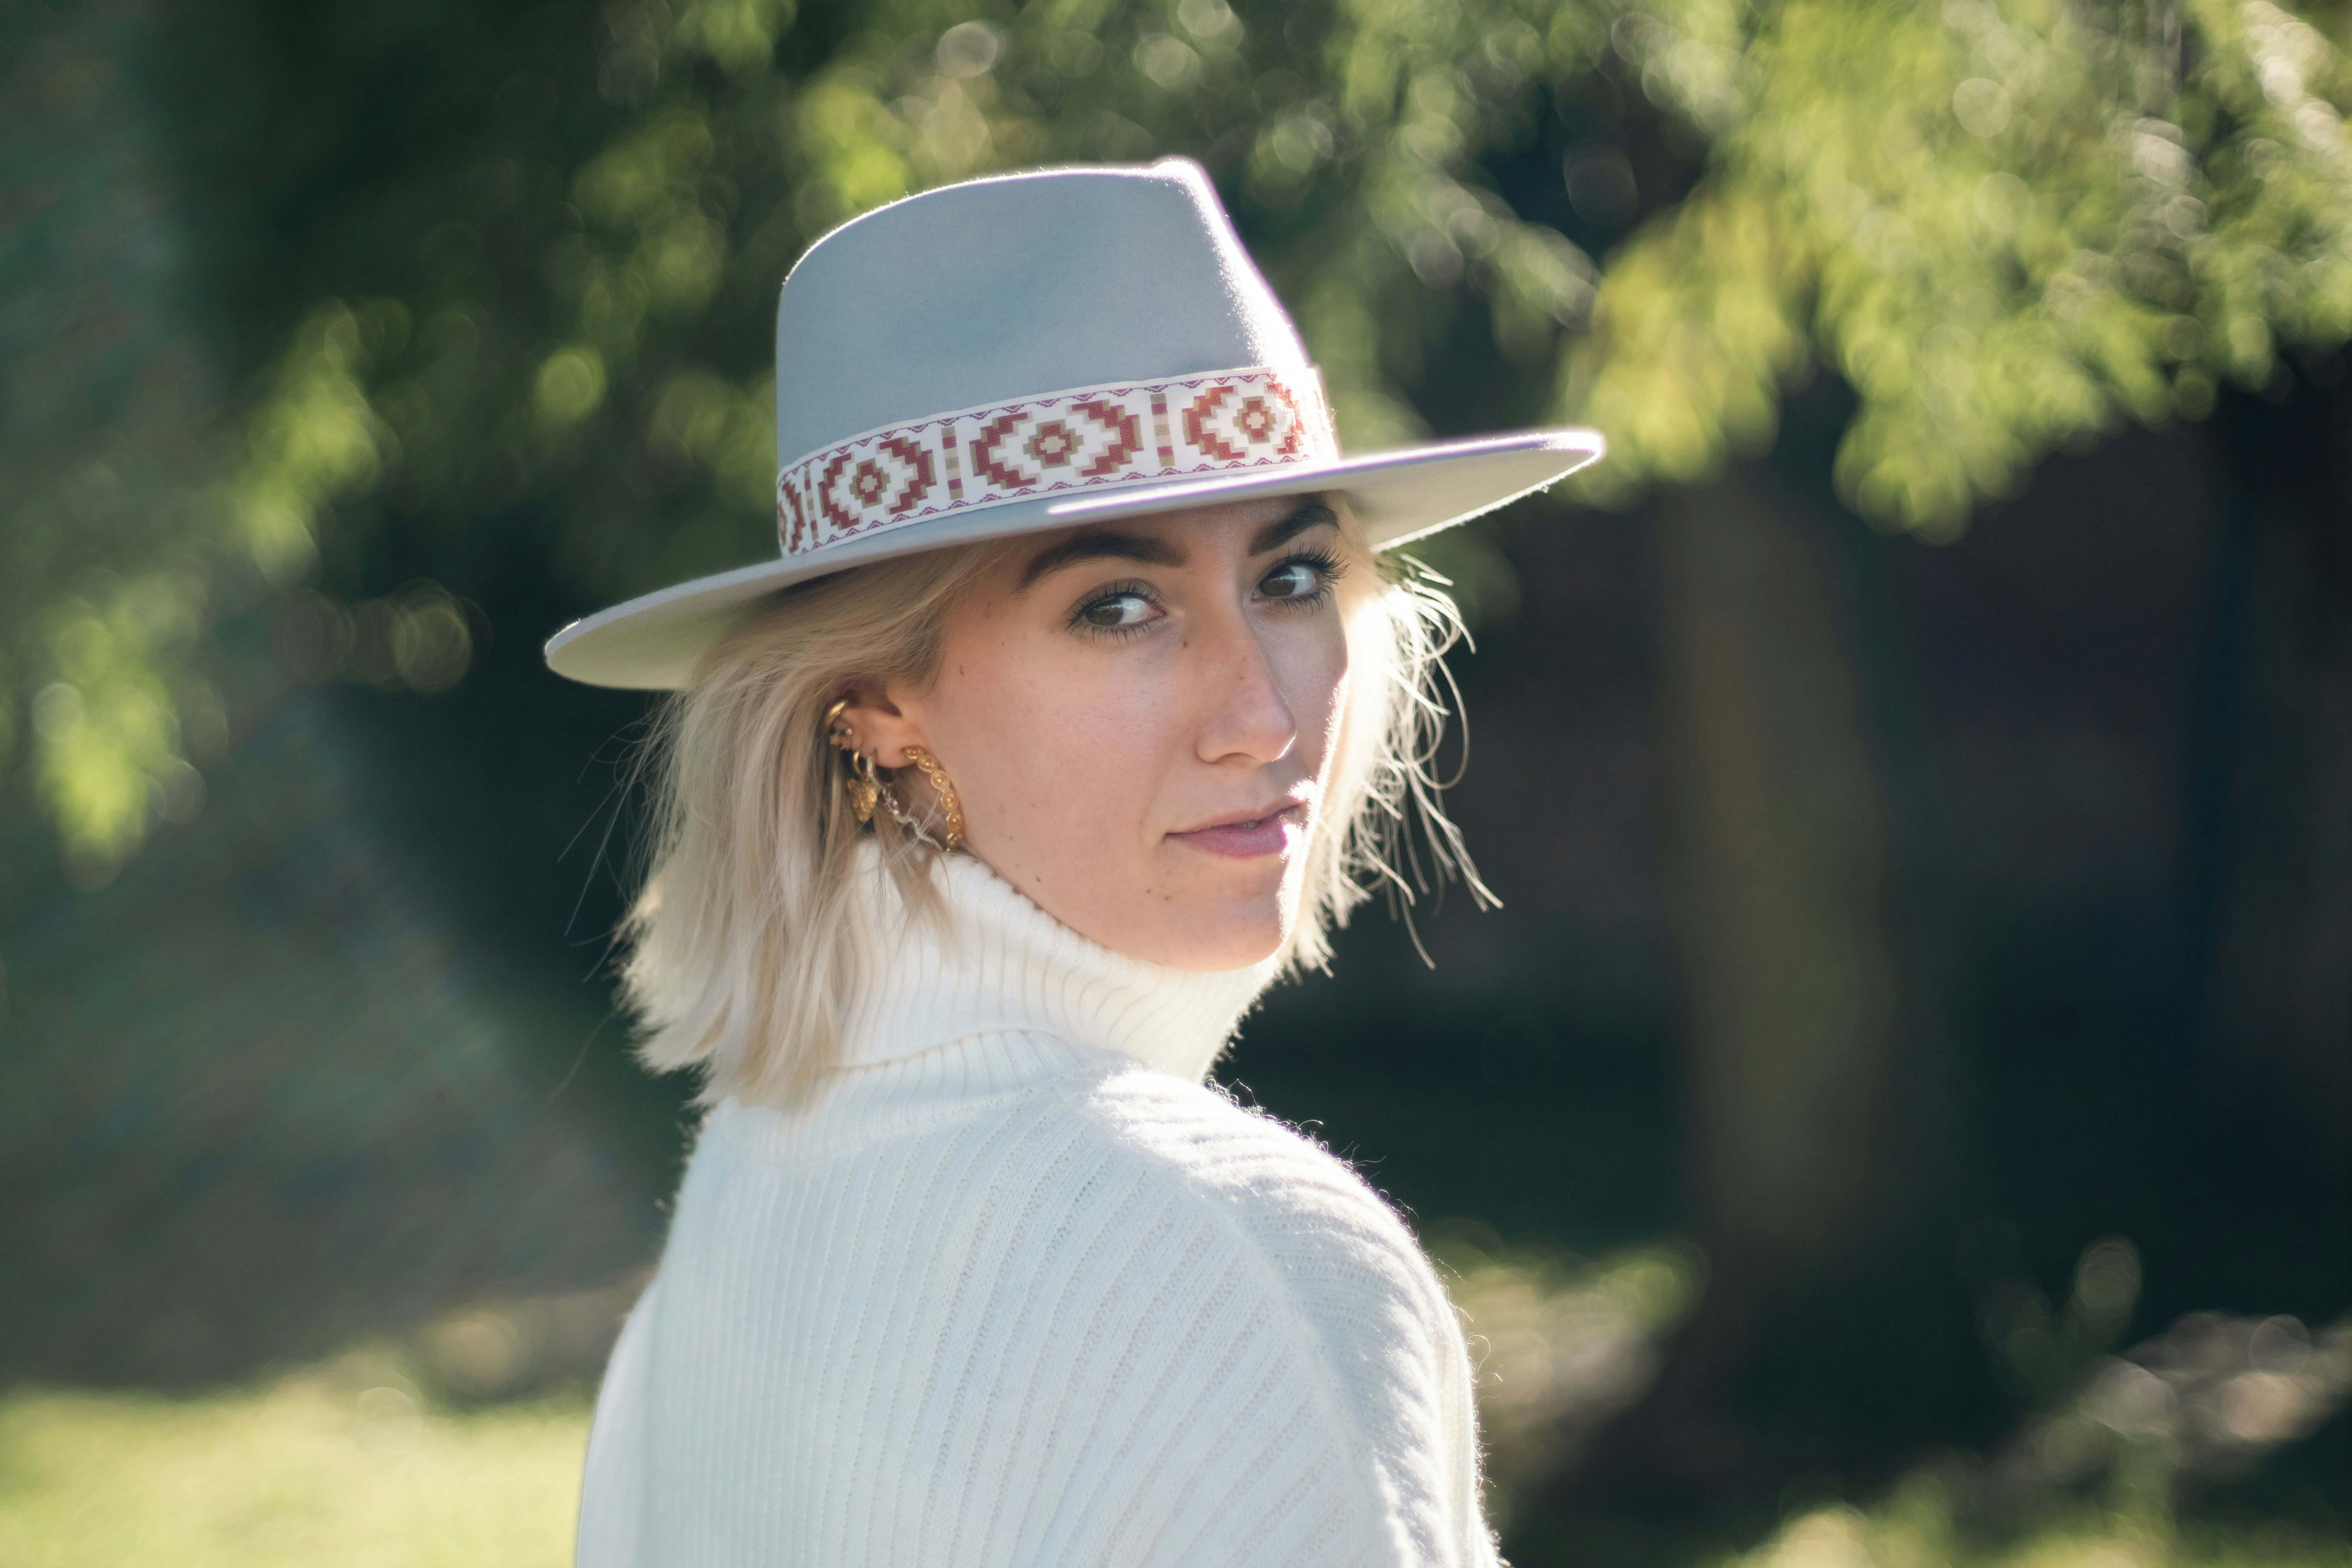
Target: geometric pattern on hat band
{"points": [[1088, 437]]}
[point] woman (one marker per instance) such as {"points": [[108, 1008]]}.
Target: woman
{"points": [[1070, 716]]}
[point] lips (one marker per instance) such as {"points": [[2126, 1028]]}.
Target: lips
{"points": [[1249, 837]]}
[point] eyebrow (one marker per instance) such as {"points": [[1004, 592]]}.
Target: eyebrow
{"points": [[1100, 546], [1104, 544], [1289, 526]]}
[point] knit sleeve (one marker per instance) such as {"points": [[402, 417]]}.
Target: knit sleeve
{"points": [[612, 1504]]}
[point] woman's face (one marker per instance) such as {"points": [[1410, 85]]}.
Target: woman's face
{"points": [[1139, 717]]}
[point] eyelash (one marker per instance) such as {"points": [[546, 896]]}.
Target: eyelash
{"points": [[1329, 568], [1131, 589]]}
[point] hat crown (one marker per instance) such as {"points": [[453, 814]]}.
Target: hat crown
{"points": [[1011, 288]]}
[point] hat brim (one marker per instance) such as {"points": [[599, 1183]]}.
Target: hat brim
{"points": [[654, 642]]}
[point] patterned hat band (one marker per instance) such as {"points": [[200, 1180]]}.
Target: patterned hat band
{"points": [[1087, 438]]}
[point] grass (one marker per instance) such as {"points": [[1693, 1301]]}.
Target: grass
{"points": [[341, 1464]]}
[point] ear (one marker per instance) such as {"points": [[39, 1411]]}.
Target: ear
{"points": [[878, 725]]}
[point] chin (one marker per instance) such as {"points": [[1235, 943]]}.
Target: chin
{"points": [[1234, 936]]}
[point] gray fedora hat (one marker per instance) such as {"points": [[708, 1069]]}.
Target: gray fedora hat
{"points": [[1037, 351]]}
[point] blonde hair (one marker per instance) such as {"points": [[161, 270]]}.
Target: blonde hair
{"points": [[745, 946]]}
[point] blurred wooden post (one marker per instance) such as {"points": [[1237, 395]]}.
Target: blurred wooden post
{"points": [[1788, 982]]}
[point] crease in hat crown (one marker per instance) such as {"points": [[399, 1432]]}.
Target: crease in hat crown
{"points": [[1035, 351]]}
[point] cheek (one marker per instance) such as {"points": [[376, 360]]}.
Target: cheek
{"points": [[1061, 754], [1312, 670]]}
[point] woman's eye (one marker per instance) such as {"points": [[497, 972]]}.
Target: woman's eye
{"points": [[1291, 580], [1117, 610]]}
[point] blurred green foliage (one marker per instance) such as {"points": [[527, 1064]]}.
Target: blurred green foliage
{"points": [[344, 1462], [500, 282]]}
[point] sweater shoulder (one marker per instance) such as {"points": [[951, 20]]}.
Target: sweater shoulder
{"points": [[1286, 1197]]}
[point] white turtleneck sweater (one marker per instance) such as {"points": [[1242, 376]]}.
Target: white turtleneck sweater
{"points": [[1017, 1289]]}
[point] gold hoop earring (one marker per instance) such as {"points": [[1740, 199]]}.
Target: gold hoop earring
{"points": [[950, 806], [859, 779]]}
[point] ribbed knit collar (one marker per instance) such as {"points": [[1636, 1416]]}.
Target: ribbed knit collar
{"points": [[1004, 965]]}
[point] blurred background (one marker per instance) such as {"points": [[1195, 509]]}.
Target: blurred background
{"points": [[1902, 1111]]}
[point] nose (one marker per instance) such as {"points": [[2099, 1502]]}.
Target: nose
{"points": [[1245, 717]]}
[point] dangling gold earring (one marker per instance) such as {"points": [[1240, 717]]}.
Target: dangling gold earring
{"points": [[950, 807], [859, 780]]}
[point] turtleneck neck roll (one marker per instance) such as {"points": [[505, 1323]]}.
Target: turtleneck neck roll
{"points": [[999, 964]]}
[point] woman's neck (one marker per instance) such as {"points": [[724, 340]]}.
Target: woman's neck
{"points": [[1003, 964]]}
